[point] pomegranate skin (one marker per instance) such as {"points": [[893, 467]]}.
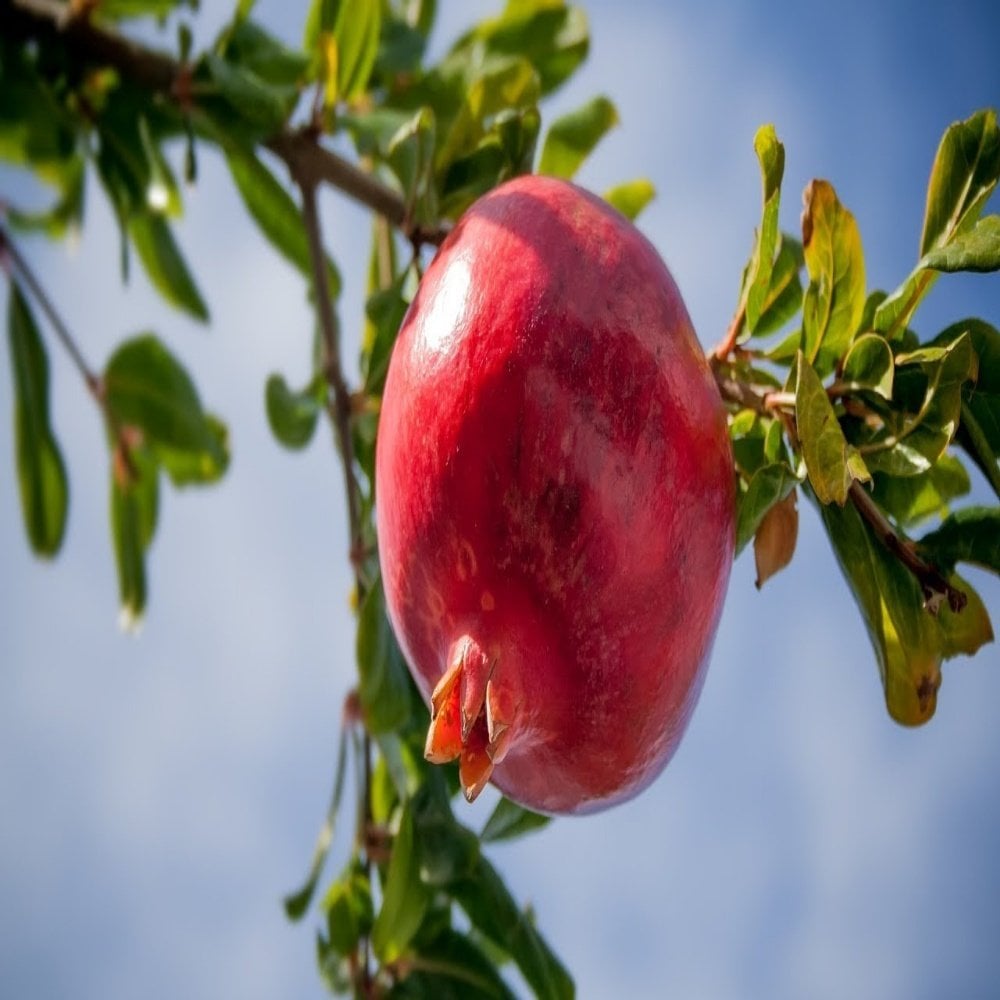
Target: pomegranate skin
{"points": [[555, 500]]}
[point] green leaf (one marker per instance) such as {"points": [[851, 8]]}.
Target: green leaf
{"points": [[979, 432], [912, 499], [493, 911], [410, 155], [831, 463], [385, 310], [835, 299], [975, 250], [405, 897], [869, 365], [384, 688], [248, 45], [446, 850], [348, 908], [511, 85], [784, 293], [631, 197], [509, 820], [41, 472], [451, 967], [147, 388], [572, 137], [357, 29], [769, 485], [66, 214], [164, 263], [909, 642], [771, 156], [927, 402], [966, 631], [552, 36], [274, 211], [971, 535], [258, 104], [965, 172], [293, 416], [297, 903], [134, 507], [187, 466]]}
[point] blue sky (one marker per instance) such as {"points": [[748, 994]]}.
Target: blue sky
{"points": [[161, 792]]}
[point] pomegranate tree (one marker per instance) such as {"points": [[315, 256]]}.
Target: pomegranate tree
{"points": [[555, 500]]}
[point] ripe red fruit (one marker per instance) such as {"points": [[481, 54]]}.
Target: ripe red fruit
{"points": [[554, 500]]}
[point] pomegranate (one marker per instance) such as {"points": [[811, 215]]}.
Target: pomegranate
{"points": [[555, 500]]}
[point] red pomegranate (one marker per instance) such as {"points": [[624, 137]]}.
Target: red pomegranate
{"points": [[555, 500]]}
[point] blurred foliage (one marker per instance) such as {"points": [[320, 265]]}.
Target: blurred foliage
{"points": [[830, 389]]}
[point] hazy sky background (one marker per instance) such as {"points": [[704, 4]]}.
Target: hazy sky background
{"points": [[159, 794]]}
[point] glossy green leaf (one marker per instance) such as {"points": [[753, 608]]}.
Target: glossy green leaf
{"points": [[909, 642], [385, 310], [258, 104], [831, 463], [551, 35], [493, 912], [405, 897], [250, 46], [979, 432], [356, 31], [783, 298], [835, 299], [401, 47], [274, 211], [631, 197], [162, 259], [971, 535], [912, 499], [147, 388], [869, 365], [348, 908], [451, 967], [965, 632], [771, 156], [293, 415], [511, 85], [446, 850], [134, 507], [186, 466], [769, 485], [41, 472], [572, 137], [975, 250], [384, 688], [297, 903], [410, 155], [927, 407], [509, 820], [965, 172]]}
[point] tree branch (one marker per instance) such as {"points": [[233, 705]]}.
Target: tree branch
{"points": [[340, 407], [24, 271], [307, 159], [933, 585]]}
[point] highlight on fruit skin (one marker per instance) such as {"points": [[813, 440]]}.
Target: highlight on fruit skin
{"points": [[555, 501]]}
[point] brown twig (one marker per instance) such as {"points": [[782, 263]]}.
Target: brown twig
{"points": [[27, 275], [340, 406], [933, 585], [725, 346], [301, 149]]}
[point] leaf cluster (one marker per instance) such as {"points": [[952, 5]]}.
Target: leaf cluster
{"points": [[840, 399]]}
